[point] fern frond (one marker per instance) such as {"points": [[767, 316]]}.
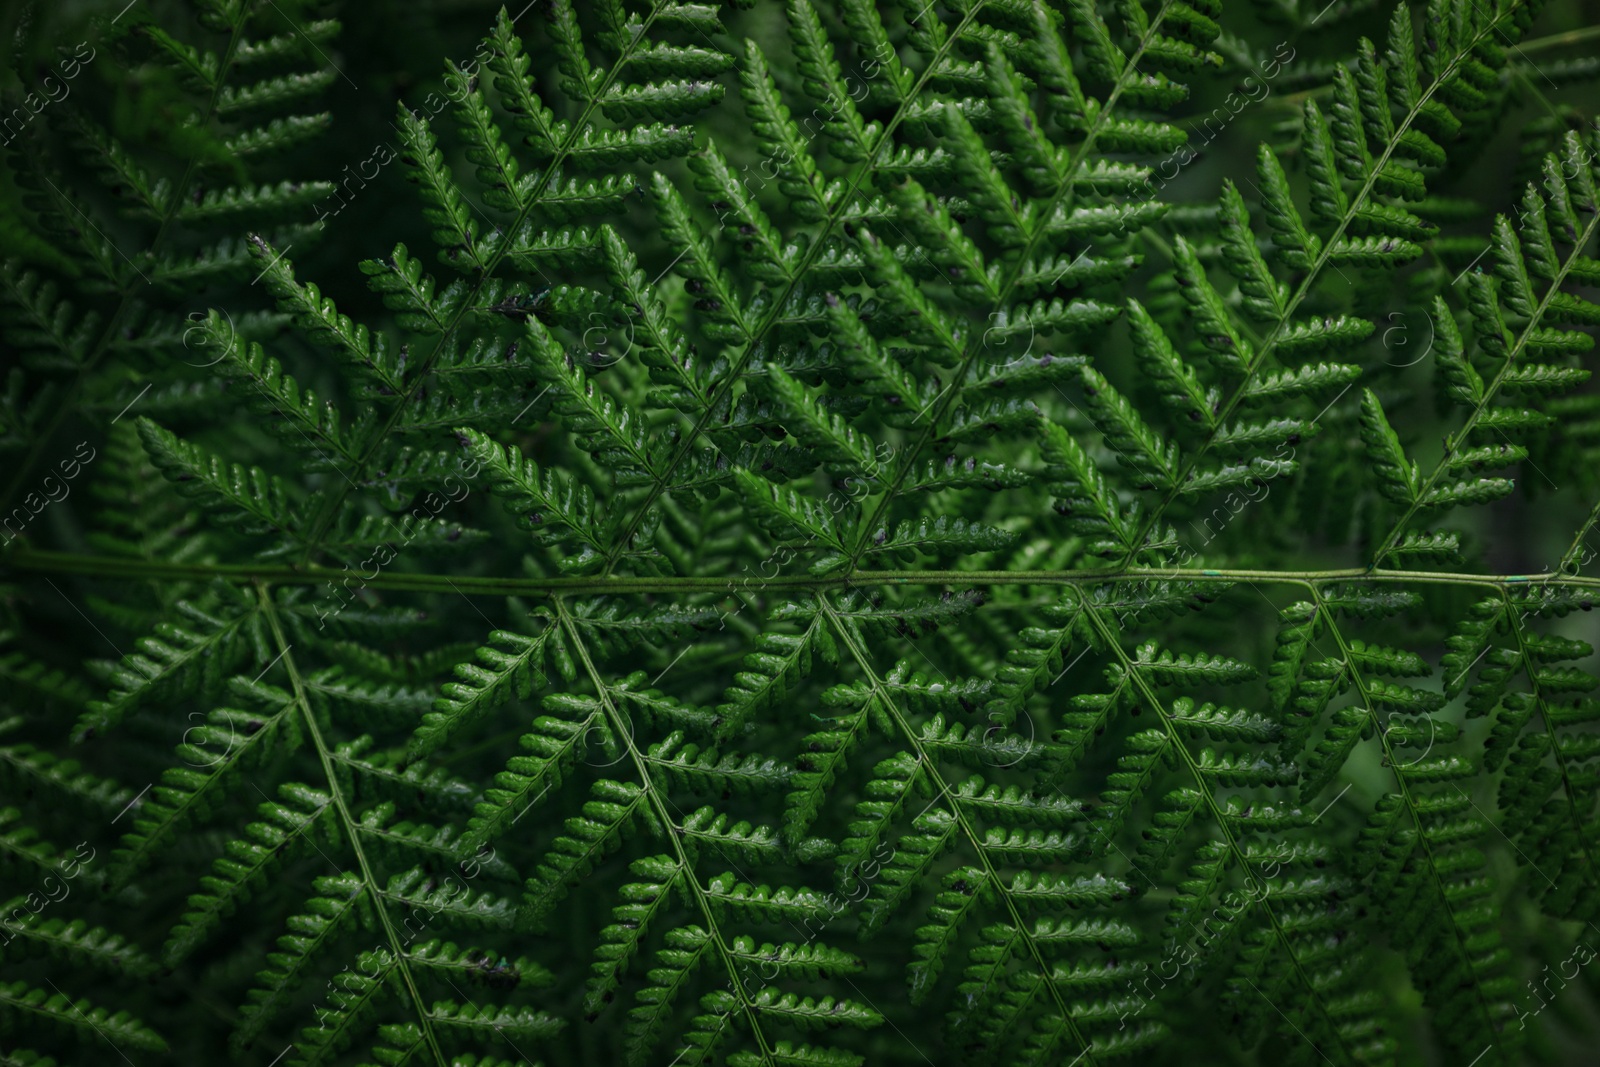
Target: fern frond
{"points": [[239, 875], [19, 1000], [911, 516]]}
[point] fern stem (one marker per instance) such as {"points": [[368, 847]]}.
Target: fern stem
{"points": [[1109, 636], [351, 828], [1489, 392], [1560, 40], [48, 562], [1303, 290], [1061, 196], [931, 768], [1569, 558], [622, 728]]}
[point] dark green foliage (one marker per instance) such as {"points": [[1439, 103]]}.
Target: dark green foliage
{"points": [[827, 533]]}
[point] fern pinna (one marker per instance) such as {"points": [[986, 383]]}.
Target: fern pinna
{"points": [[826, 533]]}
